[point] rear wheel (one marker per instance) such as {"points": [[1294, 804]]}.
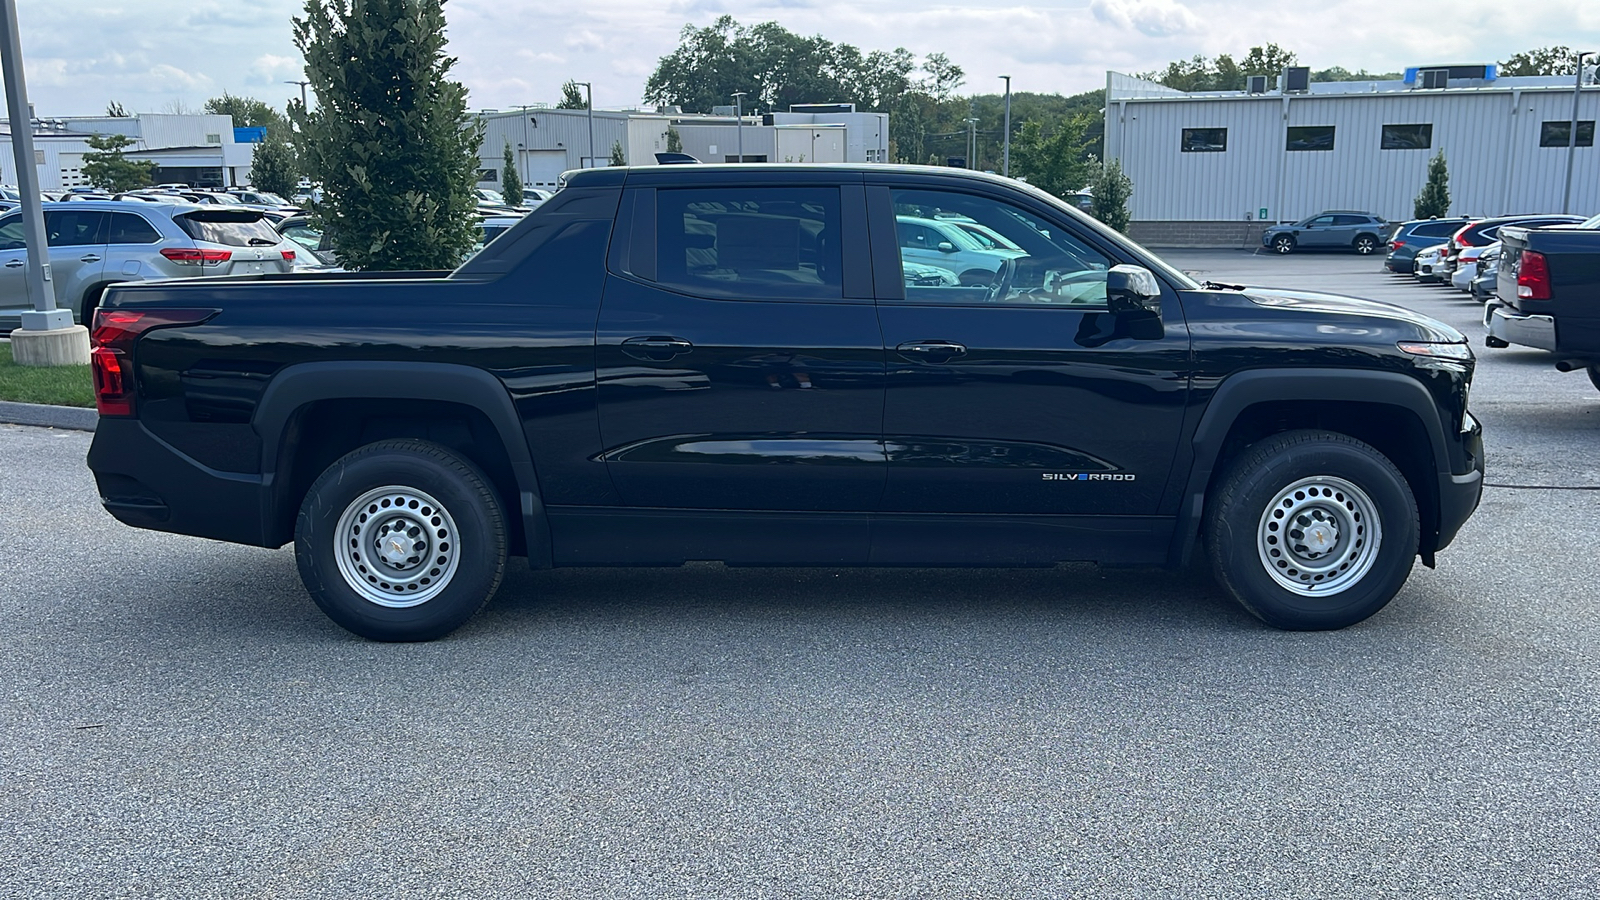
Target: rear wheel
{"points": [[91, 302], [1366, 245], [1312, 530], [401, 541], [1283, 243]]}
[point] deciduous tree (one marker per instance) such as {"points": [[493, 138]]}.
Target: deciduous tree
{"points": [[390, 140], [1557, 60], [273, 169], [571, 97]]}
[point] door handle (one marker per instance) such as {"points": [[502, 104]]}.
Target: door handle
{"points": [[931, 351], [91, 258], [655, 349], [14, 264]]}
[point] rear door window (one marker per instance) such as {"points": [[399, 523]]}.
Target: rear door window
{"points": [[231, 229], [75, 228], [1437, 229], [750, 243], [12, 235]]}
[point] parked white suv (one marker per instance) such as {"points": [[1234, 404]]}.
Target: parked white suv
{"points": [[95, 243]]}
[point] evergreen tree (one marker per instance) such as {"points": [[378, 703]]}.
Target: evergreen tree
{"points": [[571, 97], [674, 140], [1434, 201], [106, 167], [1112, 188], [617, 156], [510, 179], [390, 139], [273, 168]]}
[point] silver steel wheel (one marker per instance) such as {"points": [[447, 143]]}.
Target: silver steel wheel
{"points": [[1319, 536], [396, 546]]}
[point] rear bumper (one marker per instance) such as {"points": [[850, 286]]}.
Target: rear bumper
{"points": [[147, 483], [1517, 328]]}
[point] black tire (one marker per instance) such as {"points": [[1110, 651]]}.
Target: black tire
{"points": [[432, 508], [1594, 377], [1366, 244], [1281, 499], [1283, 243], [91, 302]]}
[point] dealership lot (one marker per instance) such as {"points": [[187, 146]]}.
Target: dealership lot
{"points": [[181, 720]]}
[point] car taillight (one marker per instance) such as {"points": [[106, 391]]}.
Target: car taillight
{"points": [[1396, 245], [288, 256], [111, 359], [194, 256], [1533, 277]]}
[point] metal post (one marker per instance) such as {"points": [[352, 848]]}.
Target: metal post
{"points": [[303, 101], [588, 106], [1005, 165], [41, 290], [522, 157], [1572, 136], [972, 143], [738, 119]]}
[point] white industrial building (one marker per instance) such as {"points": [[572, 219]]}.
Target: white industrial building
{"points": [[202, 150], [546, 142], [1208, 168]]}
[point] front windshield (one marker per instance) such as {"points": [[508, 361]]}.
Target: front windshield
{"points": [[491, 196], [1593, 222]]}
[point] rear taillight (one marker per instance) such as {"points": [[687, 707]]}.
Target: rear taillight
{"points": [[288, 256], [1533, 277], [111, 359], [194, 256], [1396, 245]]}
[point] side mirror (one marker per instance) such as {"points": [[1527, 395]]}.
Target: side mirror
{"points": [[1132, 290], [946, 247]]}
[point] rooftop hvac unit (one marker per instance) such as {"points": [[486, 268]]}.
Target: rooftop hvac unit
{"points": [[1297, 79], [1258, 84], [1434, 79]]}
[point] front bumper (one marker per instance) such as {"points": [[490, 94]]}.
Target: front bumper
{"points": [[1459, 494], [1518, 328]]}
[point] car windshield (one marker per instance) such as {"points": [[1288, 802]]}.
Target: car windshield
{"points": [[231, 228], [492, 196], [1593, 223]]}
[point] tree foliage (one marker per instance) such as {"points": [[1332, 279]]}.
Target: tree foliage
{"points": [[390, 139], [510, 179], [273, 168], [117, 111], [1059, 162], [1222, 73], [248, 112], [674, 140], [105, 167], [1434, 201], [571, 97], [1557, 60], [1112, 190], [618, 158]]}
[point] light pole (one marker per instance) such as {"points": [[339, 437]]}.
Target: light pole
{"points": [[522, 157], [303, 101], [972, 143], [738, 118], [588, 106], [1005, 166], [1572, 135], [47, 336]]}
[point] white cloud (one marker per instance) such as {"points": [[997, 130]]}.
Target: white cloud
{"points": [[1157, 18]]}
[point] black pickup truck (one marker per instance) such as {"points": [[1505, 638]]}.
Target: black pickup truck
{"points": [[768, 365], [1548, 294]]}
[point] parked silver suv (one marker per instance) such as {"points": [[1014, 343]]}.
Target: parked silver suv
{"points": [[95, 243]]}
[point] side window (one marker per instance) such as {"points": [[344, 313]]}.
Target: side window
{"points": [[1024, 261], [1351, 220], [750, 243], [11, 234], [73, 228], [1321, 222], [127, 228], [1437, 229]]}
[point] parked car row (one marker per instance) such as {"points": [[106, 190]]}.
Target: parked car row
{"points": [[1546, 294], [1462, 253]]}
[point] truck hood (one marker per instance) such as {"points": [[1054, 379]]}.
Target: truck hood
{"points": [[1311, 302]]}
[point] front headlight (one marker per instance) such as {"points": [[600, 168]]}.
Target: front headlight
{"points": [[1436, 350]]}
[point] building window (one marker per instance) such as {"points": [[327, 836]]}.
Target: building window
{"points": [[1407, 137], [748, 157], [1310, 137], [1555, 134], [490, 176], [1205, 140], [213, 138]]}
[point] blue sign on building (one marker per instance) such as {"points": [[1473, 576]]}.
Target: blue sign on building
{"points": [[252, 135]]}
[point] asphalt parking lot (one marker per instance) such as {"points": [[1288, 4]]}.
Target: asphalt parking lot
{"points": [[180, 721]]}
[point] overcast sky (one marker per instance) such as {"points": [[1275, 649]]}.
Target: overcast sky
{"points": [[150, 54]]}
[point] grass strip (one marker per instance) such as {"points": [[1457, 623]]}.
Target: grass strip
{"points": [[55, 385]]}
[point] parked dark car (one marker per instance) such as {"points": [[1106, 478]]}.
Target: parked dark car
{"points": [[1417, 234], [1338, 229], [726, 362]]}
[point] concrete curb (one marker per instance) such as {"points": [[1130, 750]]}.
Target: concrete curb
{"points": [[38, 414]]}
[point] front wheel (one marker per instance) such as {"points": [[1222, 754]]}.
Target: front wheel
{"points": [[1312, 530], [1366, 245], [401, 541], [1283, 244]]}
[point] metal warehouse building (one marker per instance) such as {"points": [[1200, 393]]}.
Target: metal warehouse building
{"points": [[1213, 169]]}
